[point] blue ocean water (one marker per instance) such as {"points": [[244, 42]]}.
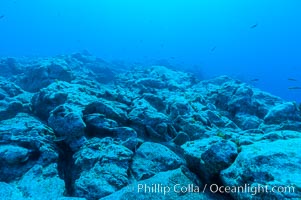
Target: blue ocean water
{"points": [[256, 41]]}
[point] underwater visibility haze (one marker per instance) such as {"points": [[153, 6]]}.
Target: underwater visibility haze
{"points": [[249, 40], [150, 99]]}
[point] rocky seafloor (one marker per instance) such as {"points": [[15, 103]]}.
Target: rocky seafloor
{"points": [[75, 127]]}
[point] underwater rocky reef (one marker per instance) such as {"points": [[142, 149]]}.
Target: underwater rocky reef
{"points": [[76, 127]]}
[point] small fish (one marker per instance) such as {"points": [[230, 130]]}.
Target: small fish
{"points": [[254, 26], [2, 16], [294, 88], [213, 49], [59, 139], [172, 57], [255, 80], [292, 79]]}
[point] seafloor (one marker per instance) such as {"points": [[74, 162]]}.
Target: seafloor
{"points": [[76, 127]]}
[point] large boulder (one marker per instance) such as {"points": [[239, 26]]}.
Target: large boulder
{"points": [[58, 93], [111, 110], [155, 101], [42, 183], [234, 97], [152, 158], [149, 123], [29, 160], [216, 158], [208, 157], [8, 191], [156, 79], [12, 99], [247, 121], [37, 183], [100, 168], [253, 136], [283, 112], [68, 125], [274, 166], [193, 126], [93, 67], [100, 126], [44, 73], [25, 142]]}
